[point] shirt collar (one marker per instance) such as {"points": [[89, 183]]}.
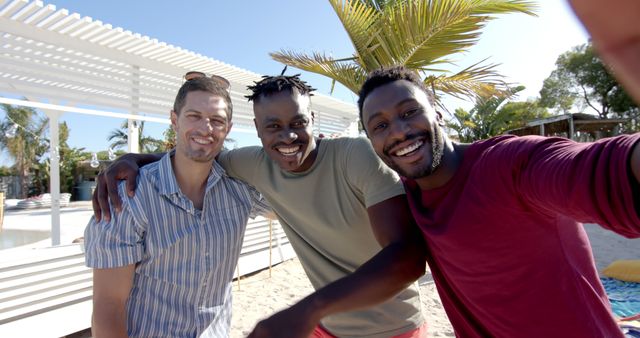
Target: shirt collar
{"points": [[168, 183]]}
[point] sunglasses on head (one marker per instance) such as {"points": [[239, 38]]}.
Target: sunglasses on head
{"points": [[219, 80]]}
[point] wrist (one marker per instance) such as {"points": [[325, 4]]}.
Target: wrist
{"points": [[312, 307]]}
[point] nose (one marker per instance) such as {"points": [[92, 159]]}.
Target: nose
{"points": [[288, 136], [208, 125], [398, 129]]}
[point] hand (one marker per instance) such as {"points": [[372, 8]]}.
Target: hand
{"points": [[125, 168], [289, 323], [616, 36]]}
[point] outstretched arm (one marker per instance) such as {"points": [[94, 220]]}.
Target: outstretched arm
{"points": [[401, 262], [635, 162], [635, 169], [124, 168]]}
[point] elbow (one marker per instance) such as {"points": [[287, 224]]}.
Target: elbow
{"points": [[413, 263]]}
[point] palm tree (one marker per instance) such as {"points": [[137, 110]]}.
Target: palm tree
{"points": [[419, 34], [493, 115], [28, 143], [120, 138]]}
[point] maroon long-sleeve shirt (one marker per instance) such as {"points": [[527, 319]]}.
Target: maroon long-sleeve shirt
{"points": [[507, 251]]}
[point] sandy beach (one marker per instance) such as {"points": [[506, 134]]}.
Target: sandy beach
{"points": [[260, 295]]}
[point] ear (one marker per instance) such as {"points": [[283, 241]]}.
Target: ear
{"points": [[257, 129], [174, 120], [440, 118], [229, 127]]}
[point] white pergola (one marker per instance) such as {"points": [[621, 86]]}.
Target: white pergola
{"points": [[68, 63]]}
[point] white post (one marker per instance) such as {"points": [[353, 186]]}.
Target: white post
{"points": [[54, 176], [134, 126], [134, 134]]}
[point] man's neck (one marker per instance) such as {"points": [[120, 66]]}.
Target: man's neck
{"points": [[451, 161], [191, 177]]}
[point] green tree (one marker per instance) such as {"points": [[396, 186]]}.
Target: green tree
{"points": [[169, 139], [69, 158], [120, 139], [26, 146], [493, 115], [7, 171], [418, 34], [581, 81]]}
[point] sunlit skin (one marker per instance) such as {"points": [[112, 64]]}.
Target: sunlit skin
{"points": [[284, 124], [406, 132], [201, 127]]}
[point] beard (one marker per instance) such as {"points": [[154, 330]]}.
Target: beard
{"points": [[424, 169], [200, 155]]}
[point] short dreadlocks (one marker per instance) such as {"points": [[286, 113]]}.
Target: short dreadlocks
{"points": [[270, 85]]}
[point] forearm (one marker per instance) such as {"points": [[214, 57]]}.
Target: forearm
{"points": [[634, 164], [390, 271], [109, 320]]}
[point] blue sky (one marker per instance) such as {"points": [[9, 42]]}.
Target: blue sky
{"points": [[243, 32]]}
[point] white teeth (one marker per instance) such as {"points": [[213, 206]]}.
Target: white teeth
{"points": [[202, 141], [288, 150], [409, 149]]}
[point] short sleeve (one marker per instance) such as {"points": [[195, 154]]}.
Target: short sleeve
{"points": [[259, 206], [117, 243], [367, 173]]}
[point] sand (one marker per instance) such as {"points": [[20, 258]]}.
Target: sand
{"points": [[260, 295]]}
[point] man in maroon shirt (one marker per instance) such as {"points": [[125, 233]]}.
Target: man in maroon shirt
{"points": [[501, 216]]}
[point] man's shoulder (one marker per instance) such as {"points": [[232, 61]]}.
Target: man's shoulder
{"points": [[242, 155], [347, 142]]}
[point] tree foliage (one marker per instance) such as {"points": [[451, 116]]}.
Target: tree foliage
{"points": [[422, 35], [26, 146], [120, 138], [582, 82], [493, 115]]}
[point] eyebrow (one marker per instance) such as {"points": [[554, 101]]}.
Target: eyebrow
{"points": [[372, 116], [297, 117], [226, 117]]}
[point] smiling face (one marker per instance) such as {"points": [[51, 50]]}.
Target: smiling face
{"points": [[201, 126], [404, 128], [284, 124]]}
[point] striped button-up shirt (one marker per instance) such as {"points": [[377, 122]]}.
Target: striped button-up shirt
{"points": [[185, 257]]}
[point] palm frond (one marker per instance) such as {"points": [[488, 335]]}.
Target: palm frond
{"points": [[474, 81], [359, 18], [349, 74], [417, 33]]}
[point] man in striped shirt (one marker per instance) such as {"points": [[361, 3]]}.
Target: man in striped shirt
{"points": [[164, 265]]}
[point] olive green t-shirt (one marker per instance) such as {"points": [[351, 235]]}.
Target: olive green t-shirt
{"points": [[323, 211]]}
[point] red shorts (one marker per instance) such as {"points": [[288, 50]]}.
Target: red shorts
{"points": [[420, 332]]}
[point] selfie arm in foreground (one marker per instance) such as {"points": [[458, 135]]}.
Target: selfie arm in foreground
{"points": [[400, 263]]}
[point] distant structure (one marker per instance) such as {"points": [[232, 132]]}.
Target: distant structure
{"points": [[579, 127]]}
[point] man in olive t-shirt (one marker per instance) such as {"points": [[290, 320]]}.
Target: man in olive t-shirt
{"points": [[323, 212]]}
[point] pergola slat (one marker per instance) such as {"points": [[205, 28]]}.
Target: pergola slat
{"points": [[41, 13]]}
